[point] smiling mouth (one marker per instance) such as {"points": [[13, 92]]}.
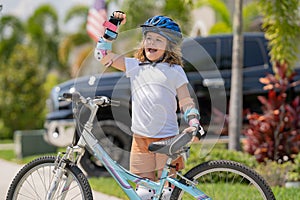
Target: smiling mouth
{"points": [[151, 50]]}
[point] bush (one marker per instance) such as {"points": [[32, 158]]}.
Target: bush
{"points": [[275, 134], [4, 131], [22, 103], [274, 173], [197, 156], [294, 172]]}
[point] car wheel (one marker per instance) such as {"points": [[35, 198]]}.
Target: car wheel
{"points": [[117, 143]]}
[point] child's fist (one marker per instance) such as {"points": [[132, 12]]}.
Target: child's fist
{"points": [[120, 16]]}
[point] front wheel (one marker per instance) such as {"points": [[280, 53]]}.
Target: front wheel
{"points": [[34, 179], [226, 180]]}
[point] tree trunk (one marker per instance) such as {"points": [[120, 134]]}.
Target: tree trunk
{"points": [[236, 93]]}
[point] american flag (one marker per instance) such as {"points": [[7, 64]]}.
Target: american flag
{"points": [[96, 18]]}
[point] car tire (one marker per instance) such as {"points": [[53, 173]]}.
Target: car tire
{"points": [[116, 140]]}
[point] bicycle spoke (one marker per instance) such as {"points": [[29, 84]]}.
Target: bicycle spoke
{"points": [[41, 178], [221, 180], [31, 187]]}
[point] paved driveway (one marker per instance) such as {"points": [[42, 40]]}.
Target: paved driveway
{"points": [[8, 170]]}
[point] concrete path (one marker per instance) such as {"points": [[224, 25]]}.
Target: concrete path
{"points": [[8, 170]]}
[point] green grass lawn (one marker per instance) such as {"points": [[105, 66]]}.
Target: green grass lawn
{"points": [[6, 141], [105, 185], [10, 155], [108, 186]]}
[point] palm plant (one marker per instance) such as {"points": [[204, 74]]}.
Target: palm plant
{"points": [[77, 39], [224, 22], [43, 32], [12, 32], [224, 18]]}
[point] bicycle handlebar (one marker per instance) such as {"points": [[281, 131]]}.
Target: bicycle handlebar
{"points": [[98, 100]]}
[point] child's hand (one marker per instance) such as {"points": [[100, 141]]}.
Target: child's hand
{"points": [[189, 129], [120, 15]]}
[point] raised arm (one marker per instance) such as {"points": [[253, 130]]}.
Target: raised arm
{"points": [[103, 51]]}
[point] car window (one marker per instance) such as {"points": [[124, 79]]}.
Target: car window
{"points": [[225, 54], [211, 48], [253, 53], [220, 51], [200, 54]]}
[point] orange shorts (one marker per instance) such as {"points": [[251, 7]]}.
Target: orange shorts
{"points": [[142, 160]]}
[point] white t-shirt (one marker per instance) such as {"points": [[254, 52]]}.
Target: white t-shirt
{"points": [[153, 90]]}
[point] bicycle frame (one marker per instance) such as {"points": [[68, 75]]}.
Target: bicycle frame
{"points": [[123, 176]]}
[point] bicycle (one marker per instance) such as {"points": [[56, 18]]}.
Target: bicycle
{"points": [[59, 177]]}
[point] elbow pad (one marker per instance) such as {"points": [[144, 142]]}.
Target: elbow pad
{"points": [[102, 48]]}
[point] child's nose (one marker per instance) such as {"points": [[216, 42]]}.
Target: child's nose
{"points": [[151, 41]]}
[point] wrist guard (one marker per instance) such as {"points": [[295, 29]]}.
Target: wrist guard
{"points": [[192, 117], [111, 28], [101, 49]]}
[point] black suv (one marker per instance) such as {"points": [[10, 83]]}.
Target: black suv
{"points": [[210, 82]]}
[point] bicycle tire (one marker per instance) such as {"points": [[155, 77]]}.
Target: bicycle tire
{"points": [[222, 179], [33, 180]]}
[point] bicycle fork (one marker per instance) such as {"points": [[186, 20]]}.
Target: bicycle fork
{"points": [[58, 173], [72, 154]]}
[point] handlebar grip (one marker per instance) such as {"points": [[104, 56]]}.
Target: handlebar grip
{"points": [[67, 95], [75, 96]]}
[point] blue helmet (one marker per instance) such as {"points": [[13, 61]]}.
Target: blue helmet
{"points": [[164, 26]]}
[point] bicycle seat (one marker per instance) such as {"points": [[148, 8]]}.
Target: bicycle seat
{"points": [[172, 145]]}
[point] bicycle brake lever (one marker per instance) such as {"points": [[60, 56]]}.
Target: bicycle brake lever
{"points": [[201, 133]]}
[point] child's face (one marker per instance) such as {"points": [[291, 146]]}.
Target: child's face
{"points": [[155, 46]]}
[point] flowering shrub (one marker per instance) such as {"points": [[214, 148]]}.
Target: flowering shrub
{"points": [[275, 134]]}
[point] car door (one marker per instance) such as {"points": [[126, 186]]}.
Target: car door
{"points": [[202, 56], [255, 66]]}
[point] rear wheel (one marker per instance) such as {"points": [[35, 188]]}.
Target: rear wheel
{"points": [[226, 180], [34, 179], [115, 141]]}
